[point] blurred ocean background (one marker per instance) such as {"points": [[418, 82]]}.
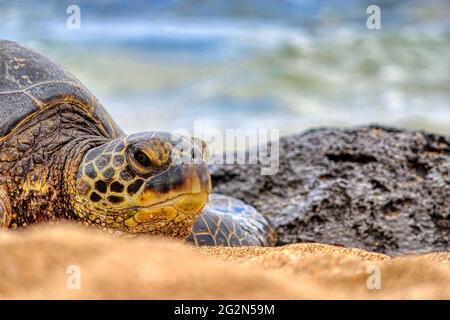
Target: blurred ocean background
{"points": [[290, 64]]}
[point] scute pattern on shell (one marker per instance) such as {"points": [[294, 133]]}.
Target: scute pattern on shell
{"points": [[227, 221], [29, 82]]}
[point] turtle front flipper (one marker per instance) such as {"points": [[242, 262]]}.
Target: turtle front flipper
{"points": [[5, 208], [229, 222]]}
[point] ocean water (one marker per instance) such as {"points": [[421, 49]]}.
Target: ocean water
{"points": [[288, 65]]}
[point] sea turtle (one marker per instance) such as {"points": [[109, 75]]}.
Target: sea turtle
{"points": [[63, 157]]}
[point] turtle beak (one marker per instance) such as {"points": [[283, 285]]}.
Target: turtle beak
{"points": [[178, 208], [189, 184], [177, 195]]}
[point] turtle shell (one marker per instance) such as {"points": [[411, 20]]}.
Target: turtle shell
{"points": [[30, 83]]}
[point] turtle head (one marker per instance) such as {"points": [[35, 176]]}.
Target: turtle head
{"points": [[153, 183]]}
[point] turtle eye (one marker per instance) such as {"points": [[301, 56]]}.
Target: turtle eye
{"points": [[142, 159]]}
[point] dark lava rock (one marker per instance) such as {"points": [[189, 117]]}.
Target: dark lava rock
{"points": [[376, 188]]}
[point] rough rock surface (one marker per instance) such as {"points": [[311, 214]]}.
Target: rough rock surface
{"points": [[376, 188]]}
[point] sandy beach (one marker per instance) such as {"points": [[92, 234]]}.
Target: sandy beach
{"points": [[41, 263]]}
